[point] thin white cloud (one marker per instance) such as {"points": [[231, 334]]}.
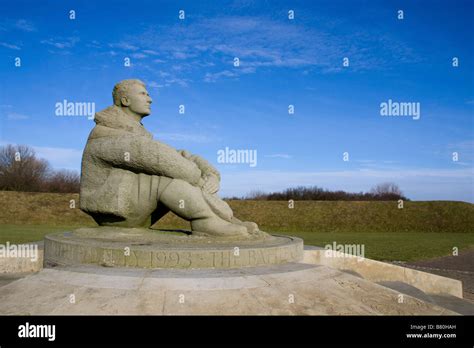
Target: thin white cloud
{"points": [[183, 137], [20, 24], [183, 55], [94, 44], [139, 55], [25, 25], [10, 46], [154, 84], [151, 52], [124, 46], [279, 155], [14, 116], [163, 73], [61, 43], [264, 43], [213, 77], [178, 81]]}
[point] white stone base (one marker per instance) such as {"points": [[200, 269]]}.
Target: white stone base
{"points": [[291, 289]]}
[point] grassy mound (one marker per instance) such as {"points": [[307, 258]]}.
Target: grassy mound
{"points": [[419, 230]]}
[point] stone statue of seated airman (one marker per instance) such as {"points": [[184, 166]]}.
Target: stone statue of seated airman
{"points": [[130, 180]]}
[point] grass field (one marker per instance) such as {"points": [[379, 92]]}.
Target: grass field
{"points": [[418, 231]]}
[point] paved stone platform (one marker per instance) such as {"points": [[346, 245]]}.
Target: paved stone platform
{"points": [[288, 289]]}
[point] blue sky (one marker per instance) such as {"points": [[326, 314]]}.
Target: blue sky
{"points": [[282, 62]]}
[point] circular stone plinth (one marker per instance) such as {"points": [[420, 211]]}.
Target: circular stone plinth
{"points": [[145, 248]]}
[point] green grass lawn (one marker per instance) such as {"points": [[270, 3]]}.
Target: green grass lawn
{"points": [[28, 233], [391, 246]]}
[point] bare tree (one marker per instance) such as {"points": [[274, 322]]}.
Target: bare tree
{"points": [[20, 170], [386, 188], [256, 195], [63, 181]]}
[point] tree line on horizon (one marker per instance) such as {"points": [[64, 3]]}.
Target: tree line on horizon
{"points": [[22, 170], [381, 192]]}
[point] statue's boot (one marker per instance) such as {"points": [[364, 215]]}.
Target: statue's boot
{"points": [[187, 201], [252, 227], [223, 210], [219, 206]]}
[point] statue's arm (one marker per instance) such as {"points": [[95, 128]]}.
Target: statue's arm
{"points": [[205, 167], [143, 155]]}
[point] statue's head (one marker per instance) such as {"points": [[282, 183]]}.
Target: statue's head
{"points": [[132, 95]]}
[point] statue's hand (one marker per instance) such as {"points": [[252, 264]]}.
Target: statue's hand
{"points": [[211, 184], [185, 154]]}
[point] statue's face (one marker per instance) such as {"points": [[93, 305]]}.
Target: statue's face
{"points": [[138, 100]]}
